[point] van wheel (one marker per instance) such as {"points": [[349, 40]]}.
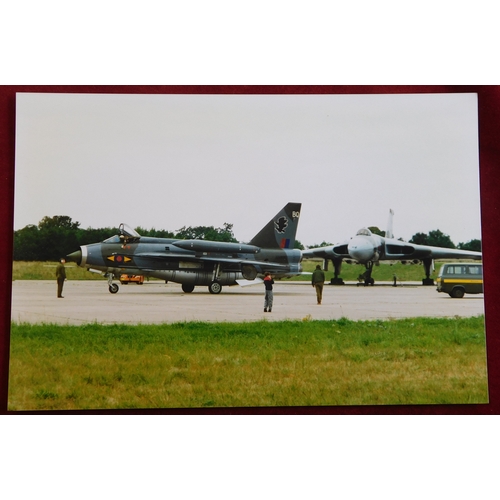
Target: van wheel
{"points": [[457, 293]]}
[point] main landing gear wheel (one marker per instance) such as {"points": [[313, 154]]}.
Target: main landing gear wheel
{"points": [[187, 288], [215, 287], [113, 288]]}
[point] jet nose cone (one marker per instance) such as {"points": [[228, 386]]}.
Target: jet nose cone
{"points": [[75, 257], [361, 249]]}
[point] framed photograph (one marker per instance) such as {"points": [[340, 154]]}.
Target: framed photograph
{"points": [[202, 196]]}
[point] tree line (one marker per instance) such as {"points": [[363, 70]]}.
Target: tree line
{"points": [[57, 236]]}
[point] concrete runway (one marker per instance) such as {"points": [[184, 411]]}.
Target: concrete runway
{"points": [[157, 302]]}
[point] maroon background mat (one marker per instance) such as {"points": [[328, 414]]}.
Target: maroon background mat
{"points": [[489, 160]]}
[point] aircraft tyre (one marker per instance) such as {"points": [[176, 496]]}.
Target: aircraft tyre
{"points": [[113, 288], [457, 293], [249, 272], [186, 288], [215, 287]]}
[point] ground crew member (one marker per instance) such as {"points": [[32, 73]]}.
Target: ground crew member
{"points": [[61, 276], [268, 298], [318, 280]]}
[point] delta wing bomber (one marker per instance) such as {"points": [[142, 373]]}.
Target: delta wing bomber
{"points": [[369, 249]]}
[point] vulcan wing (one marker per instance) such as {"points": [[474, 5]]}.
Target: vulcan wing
{"points": [[394, 250], [451, 253], [401, 250], [328, 252]]}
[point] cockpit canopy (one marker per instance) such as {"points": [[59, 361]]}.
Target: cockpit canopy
{"points": [[128, 231], [364, 232], [127, 235], [113, 239]]}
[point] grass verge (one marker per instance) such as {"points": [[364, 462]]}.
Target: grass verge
{"points": [[410, 361]]}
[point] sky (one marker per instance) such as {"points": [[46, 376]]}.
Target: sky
{"points": [[168, 161]]}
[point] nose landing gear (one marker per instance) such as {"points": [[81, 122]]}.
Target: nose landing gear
{"points": [[113, 287], [367, 275]]}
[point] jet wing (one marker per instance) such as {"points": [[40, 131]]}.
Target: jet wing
{"points": [[228, 260], [161, 256], [166, 256]]}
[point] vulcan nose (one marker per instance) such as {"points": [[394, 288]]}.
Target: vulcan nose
{"points": [[75, 257], [361, 249]]}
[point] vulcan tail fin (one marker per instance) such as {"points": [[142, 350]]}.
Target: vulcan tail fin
{"points": [[389, 233], [280, 231]]}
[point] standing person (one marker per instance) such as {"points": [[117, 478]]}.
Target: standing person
{"points": [[61, 276], [318, 280], [268, 298]]}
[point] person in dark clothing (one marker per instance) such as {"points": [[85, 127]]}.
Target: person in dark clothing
{"points": [[61, 276], [318, 280], [268, 298]]}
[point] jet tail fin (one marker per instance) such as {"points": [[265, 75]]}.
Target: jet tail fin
{"points": [[389, 233], [280, 231]]}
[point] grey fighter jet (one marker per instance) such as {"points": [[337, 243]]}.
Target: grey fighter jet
{"points": [[368, 249], [198, 262]]}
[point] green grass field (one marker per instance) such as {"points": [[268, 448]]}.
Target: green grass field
{"points": [[47, 271], [384, 272], [187, 365]]}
